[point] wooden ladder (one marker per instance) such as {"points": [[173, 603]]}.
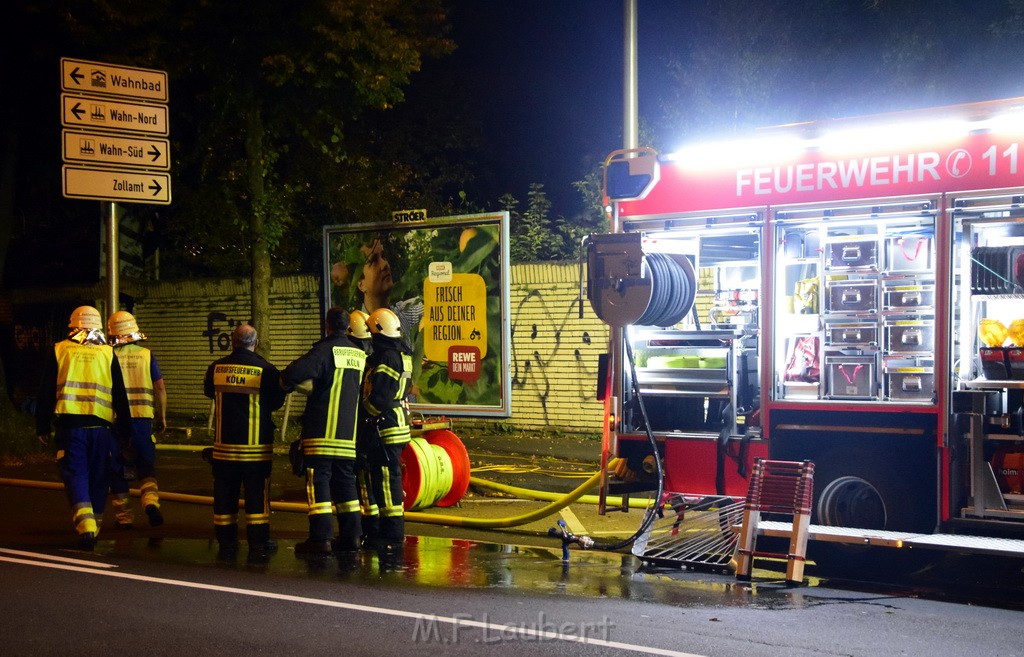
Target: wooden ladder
{"points": [[781, 487]]}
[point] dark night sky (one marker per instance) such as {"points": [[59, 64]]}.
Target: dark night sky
{"points": [[549, 75]]}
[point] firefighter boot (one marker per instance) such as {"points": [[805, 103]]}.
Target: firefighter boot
{"points": [[86, 526], [123, 510], [150, 494], [261, 546], [319, 541], [392, 530], [227, 537], [348, 532], [371, 531]]}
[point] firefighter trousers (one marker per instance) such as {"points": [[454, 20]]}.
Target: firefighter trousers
{"points": [[384, 472], [331, 489], [229, 478], [89, 460]]}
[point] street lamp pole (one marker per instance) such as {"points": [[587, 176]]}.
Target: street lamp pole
{"points": [[630, 120]]}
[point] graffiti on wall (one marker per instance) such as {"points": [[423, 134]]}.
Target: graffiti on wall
{"points": [[541, 339], [218, 330]]}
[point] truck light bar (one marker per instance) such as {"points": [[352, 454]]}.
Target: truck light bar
{"points": [[855, 138]]}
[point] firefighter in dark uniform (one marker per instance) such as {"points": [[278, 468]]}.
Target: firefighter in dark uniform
{"points": [[147, 397], [335, 366], [359, 333], [388, 373], [247, 391], [83, 395]]}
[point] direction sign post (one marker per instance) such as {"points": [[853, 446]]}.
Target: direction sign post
{"points": [[99, 99], [132, 186], [113, 113], [78, 75], [94, 148], [107, 114]]}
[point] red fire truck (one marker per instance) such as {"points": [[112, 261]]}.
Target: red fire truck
{"points": [[849, 292]]}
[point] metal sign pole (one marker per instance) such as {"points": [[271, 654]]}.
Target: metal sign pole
{"points": [[109, 212]]}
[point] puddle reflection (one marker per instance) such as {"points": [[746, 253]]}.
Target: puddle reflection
{"points": [[459, 563]]}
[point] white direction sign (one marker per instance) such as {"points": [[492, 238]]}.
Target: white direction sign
{"points": [[84, 76], [117, 185], [100, 113], [95, 148]]}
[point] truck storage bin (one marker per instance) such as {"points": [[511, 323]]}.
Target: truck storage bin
{"points": [[851, 377], [852, 296], [671, 362], [852, 334], [910, 337], [908, 253], [910, 383], [997, 270], [910, 297], [861, 254], [1015, 363], [993, 363]]}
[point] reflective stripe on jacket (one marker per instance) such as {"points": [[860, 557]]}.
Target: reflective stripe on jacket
{"points": [[246, 391], [384, 389], [138, 378], [84, 385], [330, 422]]}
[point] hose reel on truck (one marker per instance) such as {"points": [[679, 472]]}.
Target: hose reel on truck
{"points": [[628, 286]]}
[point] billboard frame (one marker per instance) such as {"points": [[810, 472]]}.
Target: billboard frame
{"points": [[441, 251]]}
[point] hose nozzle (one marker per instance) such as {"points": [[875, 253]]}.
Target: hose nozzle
{"points": [[562, 532]]}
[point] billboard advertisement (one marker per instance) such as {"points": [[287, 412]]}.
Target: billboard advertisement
{"points": [[447, 280]]}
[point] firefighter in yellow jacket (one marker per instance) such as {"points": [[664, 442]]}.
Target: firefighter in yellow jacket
{"points": [[388, 373], [147, 397], [83, 396]]}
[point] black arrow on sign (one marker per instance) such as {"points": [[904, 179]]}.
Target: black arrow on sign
{"points": [[156, 187], [76, 76], [155, 152], [78, 111]]}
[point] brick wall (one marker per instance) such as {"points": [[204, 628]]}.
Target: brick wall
{"points": [[553, 359], [188, 326], [554, 352]]}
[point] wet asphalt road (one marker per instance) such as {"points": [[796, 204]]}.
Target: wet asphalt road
{"points": [[457, 590]]}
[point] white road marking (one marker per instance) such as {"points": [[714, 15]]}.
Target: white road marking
{"points": [[572, 522], [492, 628], [50, 557]]}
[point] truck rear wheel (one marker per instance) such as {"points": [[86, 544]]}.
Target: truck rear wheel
{"points": [[852, 502]]}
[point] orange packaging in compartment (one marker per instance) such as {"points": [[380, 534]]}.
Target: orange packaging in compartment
{"points": [[1008, 465]]}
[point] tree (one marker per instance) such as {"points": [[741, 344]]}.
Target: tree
{"points": [[265, 101], [274, 92], [536, 236]]}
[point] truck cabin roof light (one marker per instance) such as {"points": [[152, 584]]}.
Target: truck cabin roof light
{"points": [[891, 135], [717, 154], [842, 139], [1006, 122]]}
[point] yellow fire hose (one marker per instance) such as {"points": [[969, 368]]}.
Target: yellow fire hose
{"points": [[557, 503]]}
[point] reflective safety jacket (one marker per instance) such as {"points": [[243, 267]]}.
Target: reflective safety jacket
{"points": [[246, 390], [82, 386], [140, 370], [388, 375], [330, 423]]}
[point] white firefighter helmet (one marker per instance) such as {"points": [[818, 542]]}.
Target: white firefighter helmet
{"points": [[123, 329], [85, 317], [357, 326], [385, 322]]}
